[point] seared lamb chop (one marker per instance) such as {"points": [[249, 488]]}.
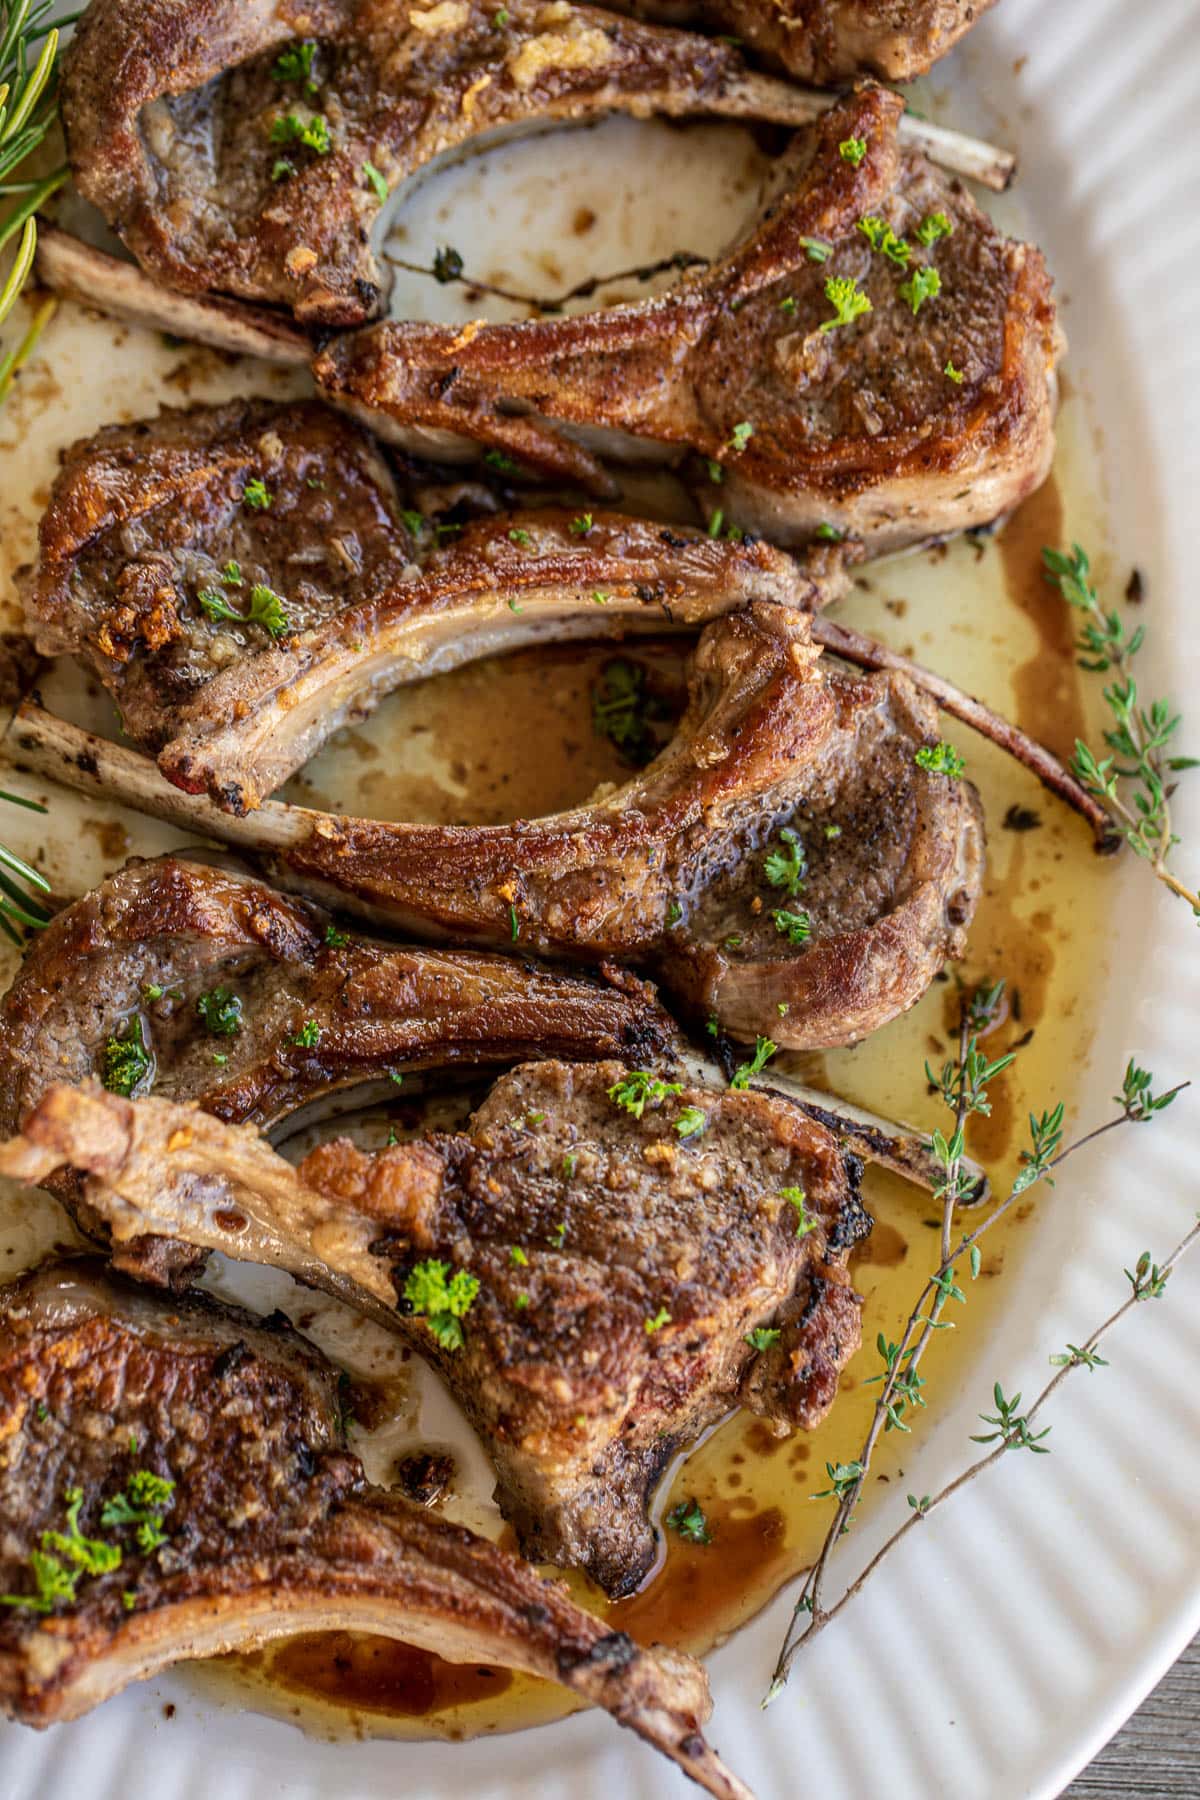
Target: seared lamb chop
{"points": [[772, 749], [245, 578], [247, 150], [601, 1265], [133, 1540], [211, 986], [829, 40], [875, 358]]}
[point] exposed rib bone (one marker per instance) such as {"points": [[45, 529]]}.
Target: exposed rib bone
{"points": [[868, 653]]}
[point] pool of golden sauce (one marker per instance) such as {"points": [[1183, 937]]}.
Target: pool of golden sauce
{"points": [[982, 614]]}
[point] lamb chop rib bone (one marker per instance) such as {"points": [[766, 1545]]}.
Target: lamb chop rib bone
{"points": [[853, 425], [142, 517], [180, 930], [620, 1276], [667, 869], [173, 121], [313, 1547]]}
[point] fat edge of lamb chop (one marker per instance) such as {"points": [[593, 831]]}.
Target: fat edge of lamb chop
{"points": [[133, 1539]]}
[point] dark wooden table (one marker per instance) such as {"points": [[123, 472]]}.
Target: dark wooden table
{"points": [[1156, 1756]]}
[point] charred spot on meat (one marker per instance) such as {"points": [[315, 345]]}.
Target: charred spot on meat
{"points": [[134, 1540], [829, 40], [602, 1264], [246, 578], [873, 358]]}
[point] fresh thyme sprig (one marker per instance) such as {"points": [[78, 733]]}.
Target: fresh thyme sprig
{"points": [[963, 1086], [28, 107], [17, 905], [1134, 781]]}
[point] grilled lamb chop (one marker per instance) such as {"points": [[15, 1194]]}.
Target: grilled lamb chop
{"points": [[829, 40], [247, 151], [253, 1004], [256, 1526], [855, 427], [621, 1274], [770, 746], [155, 527]]}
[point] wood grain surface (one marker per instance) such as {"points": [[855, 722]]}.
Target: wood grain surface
{"points": [[1156, 1756]]}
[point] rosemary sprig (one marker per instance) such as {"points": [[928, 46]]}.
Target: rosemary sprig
{"points": [[1134, 781], [17, 905], [28, 106], [963, 1086]]}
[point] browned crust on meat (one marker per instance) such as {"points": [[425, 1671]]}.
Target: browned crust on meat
{"points": [[187, 928], [399, 85], [859, 427], [271, 1528]]}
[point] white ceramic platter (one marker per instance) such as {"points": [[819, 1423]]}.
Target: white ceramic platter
{"points": [[1011, 1635]]}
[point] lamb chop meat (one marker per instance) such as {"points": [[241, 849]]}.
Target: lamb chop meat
{"points": [[247, 150], [211, 986], [829, 40], [767, 732], [174, 1484], [245, 578], [929, 408], [601, 1265]]}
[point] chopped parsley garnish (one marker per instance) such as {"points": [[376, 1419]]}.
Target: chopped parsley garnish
{"points": [[795, 1196], [715, 523], [295, 63], [934, 226], [662, 1317], [448, 266], [517, 536], [674, 913], [152, 991], [832, 831], [689, 1521], [282, 167], [514, 923], [784, 867], [639, 1087], [569, 1161], [740, 436], [880, 235], [145, 1502], [852, 150], [221, 1012], [377, 181], [691, 1121], [922, 285], [443, 1304], [412, 521], [787, 305], [848, 300], [90, 1556], [622, 710], [764, 1050], [312, 133], [796, 927], [517, 1257], [830, 533], [599, 598], [940, 759], [762, 1337], [335, 938], [500, 19], [265, 609], [256, 495], [522, 1301], [816, 249], [125, 1059], [582, 525], [955, 375], [308, 1036]]}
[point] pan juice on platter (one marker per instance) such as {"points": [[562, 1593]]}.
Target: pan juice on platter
{"points": [[515, 737]]}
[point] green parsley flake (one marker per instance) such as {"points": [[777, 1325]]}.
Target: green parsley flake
{"points": [[740, 436], [922, 285], [662, 1317], [125, 1060], [639, 1088], [762, 1337], [795, 926], [940, 759], [955, 375], [795, 1196], [443, 1304], [308, 1036], [689, 1521], [334, 938], [852, 150], [518, 1257], [255, 494], [221, 1012], [691, 1121], [295, 63], [816, 249], [266, 608], [848, 300], [936, 225], [784, 867], [377, 181], [517, 536], [881, 237], [312, 134], [764, 1050], [580, 526]]}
